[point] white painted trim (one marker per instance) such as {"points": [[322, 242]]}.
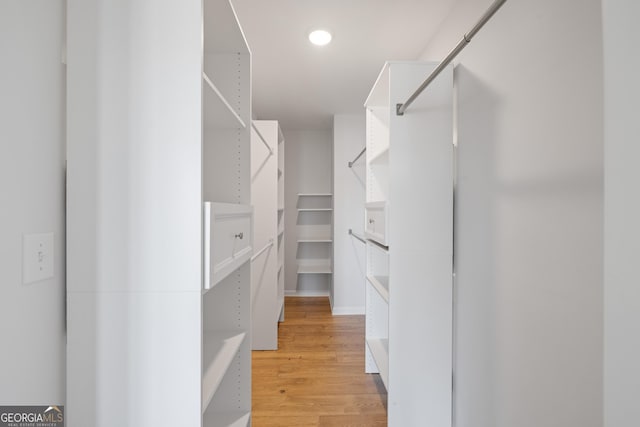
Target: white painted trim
{"points": [[348, 311], [296, 293]]}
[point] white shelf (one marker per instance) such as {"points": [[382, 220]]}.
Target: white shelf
{"points": [[312, 240], [314, 266], [315, 195], [218, 112], [219, 350], [226, 419], [280, 306], [379, 348], [380, 158], [384, 249], [315, 209], [380, 284]]}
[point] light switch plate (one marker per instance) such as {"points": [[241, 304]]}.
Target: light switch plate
{"points": [[37, 257]]}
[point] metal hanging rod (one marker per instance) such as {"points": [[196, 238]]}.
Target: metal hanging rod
{"points": [[267, 246], [351, 233], [401, 108], [357, 157], [264, 141]]}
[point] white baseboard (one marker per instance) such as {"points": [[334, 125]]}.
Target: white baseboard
{"points": [[304, 293], [347, 311]]}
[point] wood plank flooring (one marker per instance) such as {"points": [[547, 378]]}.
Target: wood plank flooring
{"points": [[316, 377]]}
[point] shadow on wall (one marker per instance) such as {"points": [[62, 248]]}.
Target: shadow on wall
{"points": [[475, 293], [527, 251]]}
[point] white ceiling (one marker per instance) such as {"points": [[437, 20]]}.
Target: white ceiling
{"points": [[302, 85]]}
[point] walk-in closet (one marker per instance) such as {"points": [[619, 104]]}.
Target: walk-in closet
{"points": [[284, 213]]}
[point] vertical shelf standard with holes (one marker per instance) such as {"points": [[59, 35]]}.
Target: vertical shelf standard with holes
{"points": [[315, 241], [409, 227], [267, 299]]}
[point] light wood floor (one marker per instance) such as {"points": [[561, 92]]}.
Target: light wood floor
{"points": [[316, 377]]}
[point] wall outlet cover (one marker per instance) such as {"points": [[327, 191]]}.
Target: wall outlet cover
{"points": [[37, 257]]}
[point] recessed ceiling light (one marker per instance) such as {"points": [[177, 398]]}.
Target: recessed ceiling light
{"points": [[320, 37]]}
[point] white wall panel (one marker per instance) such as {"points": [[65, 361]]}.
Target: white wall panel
{"points": [[349, 260]]}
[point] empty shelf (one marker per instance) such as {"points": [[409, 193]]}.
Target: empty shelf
{"points": [[226, 419], [380, 351], [218, 113], [315, 194], [380, 284], [220, 348], [314, 240], [380, 158], [315, 209], [316, 266]]}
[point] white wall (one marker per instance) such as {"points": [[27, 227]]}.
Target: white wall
{"points": [[308, 170], [622, 210], [528, 227], [349, 254], [32, 107]]}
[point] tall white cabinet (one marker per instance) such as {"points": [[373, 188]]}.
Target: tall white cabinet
{"points": [[159, 230], [229, 222], [409, 228], [267, 282]]}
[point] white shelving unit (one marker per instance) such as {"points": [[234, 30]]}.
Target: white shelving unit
{"points": [[315, 238], [229, 219], [267, 290], [409, 227], [158, 333]]}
